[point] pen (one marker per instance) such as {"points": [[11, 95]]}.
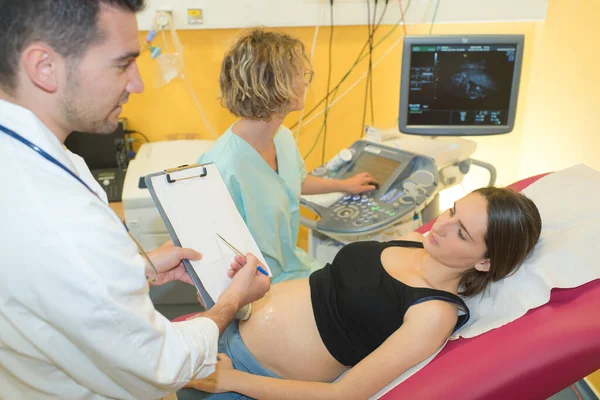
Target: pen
{"points": [[232, 247]]}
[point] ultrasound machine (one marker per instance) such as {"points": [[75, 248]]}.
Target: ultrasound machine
{"points": [[451, 86]]}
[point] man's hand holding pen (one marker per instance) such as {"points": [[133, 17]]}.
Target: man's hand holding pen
{"points": [[246, 279]]}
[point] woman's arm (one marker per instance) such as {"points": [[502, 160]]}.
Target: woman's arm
{"points": [[359, 183], [425, 329]]}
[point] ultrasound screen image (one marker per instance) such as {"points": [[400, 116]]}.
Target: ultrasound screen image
{"points": [[460, 84]]}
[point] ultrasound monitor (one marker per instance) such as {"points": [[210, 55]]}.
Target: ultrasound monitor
{"points": [[456, 85]]}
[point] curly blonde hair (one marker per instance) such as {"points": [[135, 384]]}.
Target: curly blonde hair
{"points": [[258, 74]]}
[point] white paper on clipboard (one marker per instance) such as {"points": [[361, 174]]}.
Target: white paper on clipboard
{"points": [[197, 208]]}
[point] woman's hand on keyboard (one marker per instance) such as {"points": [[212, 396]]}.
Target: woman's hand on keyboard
{"points": [[360, 183]]}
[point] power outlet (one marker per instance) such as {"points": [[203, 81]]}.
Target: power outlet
{"points": [[195, 16]]}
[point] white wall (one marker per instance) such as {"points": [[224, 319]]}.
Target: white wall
{"points": [[244, 13]]}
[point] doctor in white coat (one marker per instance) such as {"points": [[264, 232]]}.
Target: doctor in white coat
{"points": [[76, 321]]}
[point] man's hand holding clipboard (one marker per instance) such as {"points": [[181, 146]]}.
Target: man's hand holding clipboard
{"points": [[247, 285]]}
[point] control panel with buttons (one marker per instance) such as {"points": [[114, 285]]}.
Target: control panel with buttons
{"points": [[407, 182]]}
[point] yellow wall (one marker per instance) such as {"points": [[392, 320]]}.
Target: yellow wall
{"points": [[562, 121]]}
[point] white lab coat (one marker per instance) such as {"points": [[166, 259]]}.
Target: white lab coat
{"points": [[76, 321]]}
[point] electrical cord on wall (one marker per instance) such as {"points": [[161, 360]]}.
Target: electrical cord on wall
{"points": [[336, 89], [187, 84], [361, 56], [370, 64], [355, 83], [371, 36], [372, 27], [133, 132], [437, 6], [129, 141], [402, 11], [328, 82], [312, 54], [371, 61]]}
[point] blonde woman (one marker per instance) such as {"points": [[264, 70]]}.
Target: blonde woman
{"points": [[263, 78]]}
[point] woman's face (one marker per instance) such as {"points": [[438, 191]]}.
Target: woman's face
{"points": [[457, 239]]}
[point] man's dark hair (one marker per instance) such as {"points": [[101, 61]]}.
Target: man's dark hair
{"points": [[68, 26]]}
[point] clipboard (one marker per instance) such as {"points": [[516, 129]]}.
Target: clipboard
{"points": [[195, 205]]}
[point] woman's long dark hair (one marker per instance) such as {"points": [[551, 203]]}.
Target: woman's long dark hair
{"points": [[514, 227]]}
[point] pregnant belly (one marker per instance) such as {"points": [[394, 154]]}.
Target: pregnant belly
{"points": [[282, 335]]}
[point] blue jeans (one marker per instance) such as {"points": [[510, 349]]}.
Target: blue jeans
{"points": [[231, 344]]}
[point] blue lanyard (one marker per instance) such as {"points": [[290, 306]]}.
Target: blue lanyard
{"points": [[54, 161], [47, 156]]}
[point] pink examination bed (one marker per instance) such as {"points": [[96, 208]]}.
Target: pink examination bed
{"points": [[534, 357]]}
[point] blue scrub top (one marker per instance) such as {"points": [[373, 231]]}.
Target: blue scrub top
{"points": [[268, 201]]}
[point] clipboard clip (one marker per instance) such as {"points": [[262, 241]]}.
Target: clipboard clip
{"points": [[184, 167]]}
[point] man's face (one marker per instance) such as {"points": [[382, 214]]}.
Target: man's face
{"points": [[99, 83]]}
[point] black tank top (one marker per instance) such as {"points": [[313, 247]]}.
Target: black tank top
{"points": [[357, 305]]}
